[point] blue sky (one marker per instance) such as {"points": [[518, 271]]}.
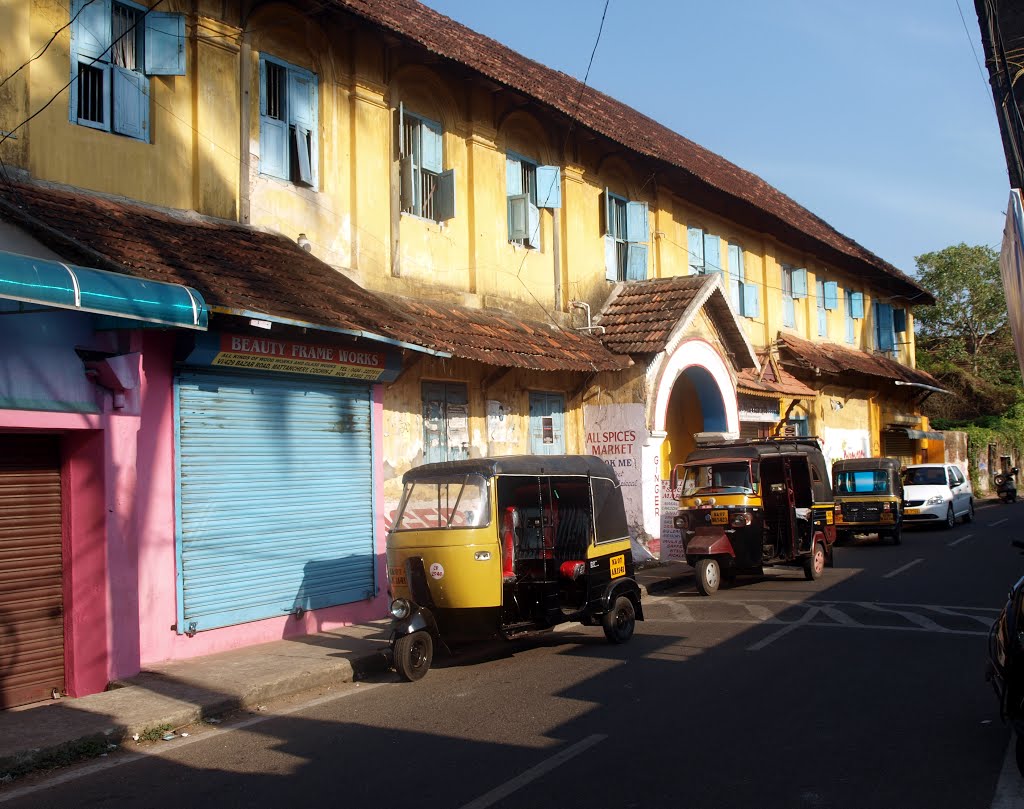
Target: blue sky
{"points": [[874, 115]]}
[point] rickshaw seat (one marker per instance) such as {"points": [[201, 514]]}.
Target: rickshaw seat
{"points": [[572, 570]]}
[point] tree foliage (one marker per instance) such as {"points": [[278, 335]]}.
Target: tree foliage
{"points": [[964, 340]]}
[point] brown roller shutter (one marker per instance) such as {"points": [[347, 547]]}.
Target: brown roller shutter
{"points": [[899, 446], [31, 580]]}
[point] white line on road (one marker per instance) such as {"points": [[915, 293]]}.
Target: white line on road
{"points": [[532, 774], [807, 616], [998, 522], [958, 541], [1010, 788], [912, 617], [899, 570]]}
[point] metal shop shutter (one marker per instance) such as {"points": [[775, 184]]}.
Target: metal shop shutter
{"points": [[899, 446], [31, 577], [275, 497]]}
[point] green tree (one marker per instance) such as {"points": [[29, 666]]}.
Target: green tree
{"points": [[964, 340]]}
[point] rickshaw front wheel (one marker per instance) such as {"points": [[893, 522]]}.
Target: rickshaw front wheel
{"points": [[815, 565], [620, 621], [413, 655], [709, 576]]}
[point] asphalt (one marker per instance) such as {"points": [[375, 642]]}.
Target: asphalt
{"points": [[170, 696]]}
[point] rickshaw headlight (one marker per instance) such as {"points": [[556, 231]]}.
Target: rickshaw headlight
{"points": [[741, 520], [400, 608]]}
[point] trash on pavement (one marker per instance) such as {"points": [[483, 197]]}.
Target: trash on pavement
{"points": [[169, 737]]}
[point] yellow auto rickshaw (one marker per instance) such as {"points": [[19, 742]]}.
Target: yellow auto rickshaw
{"points": [[496, 547], [748, 504]]}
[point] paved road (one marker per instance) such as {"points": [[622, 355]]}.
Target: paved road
{"points": [[862, 690]]}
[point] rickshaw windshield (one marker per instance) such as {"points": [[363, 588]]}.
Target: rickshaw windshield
{"points": [[863, 481], [461, 502], [719, 477]]}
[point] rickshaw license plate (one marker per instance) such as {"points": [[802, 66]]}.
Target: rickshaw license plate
{"points": [[397, 575], [617, 565], [720, 516]]}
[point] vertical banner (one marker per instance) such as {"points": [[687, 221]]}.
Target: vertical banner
{"points": [[616, 433], [671, 537]]}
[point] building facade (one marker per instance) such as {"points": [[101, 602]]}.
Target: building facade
{"points": [[410, 244]]}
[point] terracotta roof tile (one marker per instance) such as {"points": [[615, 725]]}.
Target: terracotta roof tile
{"points": [[241, 268], [836, 360], [721, 186], [641, 315], [770, 383]]}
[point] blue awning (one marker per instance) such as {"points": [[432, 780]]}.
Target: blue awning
{"points": [[66, 286]]}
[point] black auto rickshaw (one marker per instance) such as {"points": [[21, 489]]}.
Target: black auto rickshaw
{"points": [[747, 504], [497, 547], [869, 498]]}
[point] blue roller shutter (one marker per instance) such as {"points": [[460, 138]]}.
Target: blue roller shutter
{"points": [[274, 496]]}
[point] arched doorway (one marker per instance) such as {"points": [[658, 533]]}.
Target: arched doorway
{"points": [[695, 405]]}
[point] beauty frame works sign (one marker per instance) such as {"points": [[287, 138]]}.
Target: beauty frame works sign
{"points": [[252, 353]]}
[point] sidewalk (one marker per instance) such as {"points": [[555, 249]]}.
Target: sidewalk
{"points": [[181, 693]]}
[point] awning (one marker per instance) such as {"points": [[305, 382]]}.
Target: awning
{"points": [[916, 434], [66, 286]]}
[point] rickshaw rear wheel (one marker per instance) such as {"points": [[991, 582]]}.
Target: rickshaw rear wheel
{"points": [[620, 621], [815, 565], [413, 655], [897, 535], [709, 576]]}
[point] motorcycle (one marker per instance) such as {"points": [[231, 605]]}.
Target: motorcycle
{"points": [[1006, 485], [1006, 662]]}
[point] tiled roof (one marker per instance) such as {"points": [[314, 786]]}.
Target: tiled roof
{"points": [[641, 316], [836, 360], [244, 269], [773, 381], [721, 186], [495, 338]]}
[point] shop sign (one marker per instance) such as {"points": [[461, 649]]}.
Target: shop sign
{"points": [[757, 409], [288, 356]]}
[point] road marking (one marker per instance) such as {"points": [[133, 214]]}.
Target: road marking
{"points": [[899, 570], [998, 522], [1010, 787], [131, 756], [955, 614], [839, 616], [958, 541], [911, 617], [803, 619], [528, 776]]}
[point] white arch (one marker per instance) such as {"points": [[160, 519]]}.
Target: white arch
{"points": [[688, 354]]}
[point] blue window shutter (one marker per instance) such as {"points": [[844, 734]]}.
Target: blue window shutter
{"points": [[636, 261], [513, 177], [883, 326], [444, 196], [831, 295], [822, 322], [899, 320], [636, 223], [407, 183], [695, 243], [736, 270], [712, 254], [131, 103], [751, 300], [302, 151], [532, 224], [302, 99], [431, 146], [91, 34], [165, 44], [857, 304], [518, 216], [273, 135], [788, 311], [611, 259], [401, 130], [549, 187], [799, 283]]}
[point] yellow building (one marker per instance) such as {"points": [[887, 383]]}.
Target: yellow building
{"points": [[562, 273]]}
